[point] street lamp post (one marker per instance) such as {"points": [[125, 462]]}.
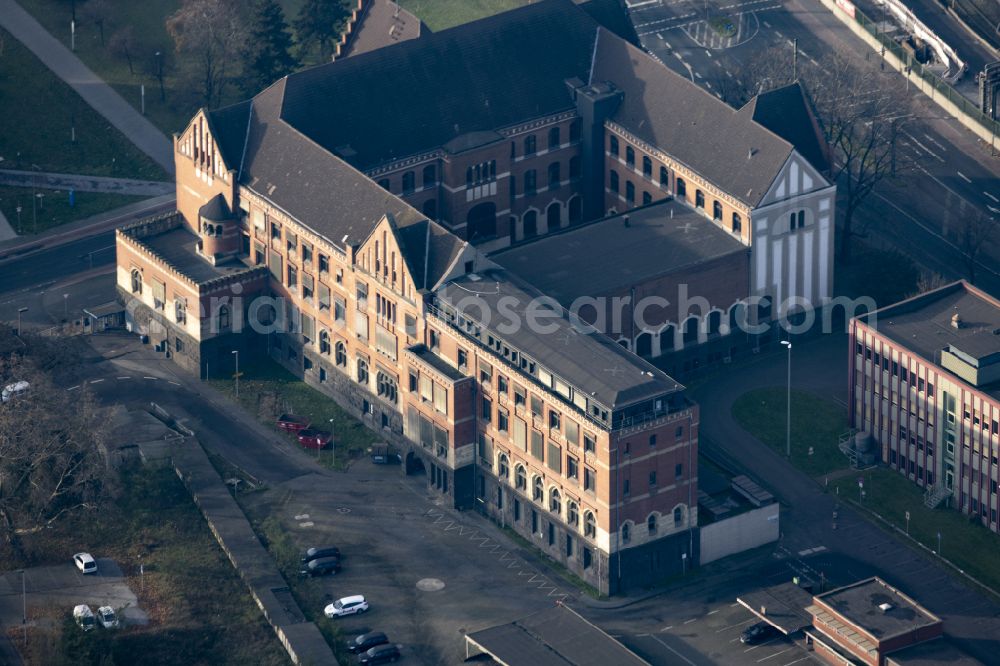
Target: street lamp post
{"points": [[333, 446], [20, 311], [24, 608], [19, 217], [236, 375], [939, 544], [788, 403]]}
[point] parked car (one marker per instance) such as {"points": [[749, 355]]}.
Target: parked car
{"points": [[346, 606], [379, 655], [758, 633], [106, 616], [365, 642], [12, 391], [85, 562], [314, 439], [84, 617], [292, 423], [321, 567], [316, 553]]}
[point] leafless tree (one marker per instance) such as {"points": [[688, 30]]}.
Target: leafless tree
{"points": [[97, 12], [208, 36], [976, 231], [769, 68], [50, 463], [124, 44]]}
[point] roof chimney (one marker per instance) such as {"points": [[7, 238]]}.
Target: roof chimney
{"points": [[625, 220], [956, 321]]}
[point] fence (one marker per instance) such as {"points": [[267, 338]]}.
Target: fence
{"points": [[939, 90]]}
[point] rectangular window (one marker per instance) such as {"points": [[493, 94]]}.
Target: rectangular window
{"points": [[426, 388], [554, 420], [487, 411], [362, 296], [502, 385], [339, 310], [678, 471], [307, 253], [293, 279], [555, 458], [324, 264], [410, 322], [385, 341], [572, 432], [308, 286], [652, 479], [324, 297], [537, 445], [626, 488], [589, 443], [440, 398], [503, 420], [589, 480], [572, 467], [361, 325], [536, 405], [520, 396], [520, 434]]}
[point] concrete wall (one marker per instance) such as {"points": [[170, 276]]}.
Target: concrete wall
{"points": [[743, 532]]}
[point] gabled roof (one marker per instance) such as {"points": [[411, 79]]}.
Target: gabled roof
{"points": [[706, 134], [429, 250], [787, 112], [418, 95], [229, 127], [382, 23]]}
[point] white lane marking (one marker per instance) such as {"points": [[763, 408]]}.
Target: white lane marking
{"points": [[698, 75], [796, 661], [759, 645], [96, 381], [667, 628], [643, 3], [928, 150], [174, 383], [124, 378], [686, 660], [767, 25], [964, 177], [713, 612], [934, 141], [992, 197], [73, 388], [708, 53], [149, 377], [694, 619], [776, 654], [733, 626]]}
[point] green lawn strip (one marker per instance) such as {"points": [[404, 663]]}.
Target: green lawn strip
{"points": [[964, 542], [53, 208], [201, 612], [39, 112], [816, 423], [267, 390], [441, 14]]}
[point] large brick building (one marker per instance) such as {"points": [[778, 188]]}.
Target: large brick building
{"points": [[923, 383], [347, 215]]}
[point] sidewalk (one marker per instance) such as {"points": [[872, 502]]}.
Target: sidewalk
{"points": [[88, 85], [69, 181]]}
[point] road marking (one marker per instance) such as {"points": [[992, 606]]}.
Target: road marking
{"points": [[713, 612], [776, 654], [767, 25], [686, 660], [964, 177], [934, 141], [796, 661], [694, 619], [991, 197], [124, 378], [174, 383], [733, 626], [759, 645], [73, 388], [643, 3], [96, 381], [708, 53], [307, 523], [149, 377], [667, 628]]}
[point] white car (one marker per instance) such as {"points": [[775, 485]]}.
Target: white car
{"points": [[106, 616], [85, 562], [84, 617], [13, 390], [346, 606]]}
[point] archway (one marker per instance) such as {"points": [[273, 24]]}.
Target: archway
{"points": [[553, 215], [481, 222], [530, 224], [414, 464]]}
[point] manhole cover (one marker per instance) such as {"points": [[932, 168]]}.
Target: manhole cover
{"points": [[430, 584], [344, 509]]}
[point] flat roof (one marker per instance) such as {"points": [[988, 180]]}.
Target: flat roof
{"points": [[932, 653], [859, 603], [436, 362], [783, 606], [553, 637], [585, 359], [662, 238], [177, 247]]}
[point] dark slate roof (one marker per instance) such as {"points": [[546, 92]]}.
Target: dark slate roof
{"points": [[313, 186], [660, 239], [553, 637], [383, 23], [787, 112], [859, 603], [785, 604], [429, 250], [418, 95], [940, 652], [613, 16], [178, 249], [582, 358], [216, 210], [663, 108], [229, 127]]}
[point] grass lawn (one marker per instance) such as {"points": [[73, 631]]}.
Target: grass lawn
{"points": [[267, 390], [969, 545], [200, 612], [816, 423], [883, 275], [55, 208], [441, 14], [38, 113]]}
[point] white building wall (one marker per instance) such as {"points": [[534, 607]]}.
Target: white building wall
{"points": [[739, 533]]}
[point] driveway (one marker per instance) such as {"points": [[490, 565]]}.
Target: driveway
{"points": [[63, 586]]}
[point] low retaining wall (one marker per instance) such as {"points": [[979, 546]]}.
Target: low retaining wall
{"points": [[739, 533]]}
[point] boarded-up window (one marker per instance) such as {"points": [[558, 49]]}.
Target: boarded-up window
{"points": [[159, 294], [385, 341], [520, 434], [308, 328], [537, 445], [361, 325], [440, 398], [426, 432], [572, 432], [274, 264], [324, 297], [426, 388], [555, 458], [257, 216]]}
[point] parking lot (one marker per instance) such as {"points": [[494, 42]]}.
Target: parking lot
{"points": [[430, 575], [714, 638]]}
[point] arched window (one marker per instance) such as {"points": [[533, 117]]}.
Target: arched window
{"points": [[340, 354], [647, 198], [554, 176], [520, 478], [667, 339], [629, 192], [224, 318], [136, 281], [699, 199], [553, 216], [737, 223], [530, 181], [324, 342], [468, 177], [664, 177], [716, 210], [613, 146], [503, 467], [589, 524], [690, 330], [386, 386], [651, 524], [714, 321], [529, 145], [555, 502], [430, 175], [647, 166], [614, 181], [362, 371], [678, 516], [626, 533], [572, 513], [575, 209], [537, 491], [530, 224], [681, 188], [408, 182], [629, 156], [553, 138]]}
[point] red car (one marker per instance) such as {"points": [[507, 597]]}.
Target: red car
{"points": [[314, 439], [292, 423]]}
